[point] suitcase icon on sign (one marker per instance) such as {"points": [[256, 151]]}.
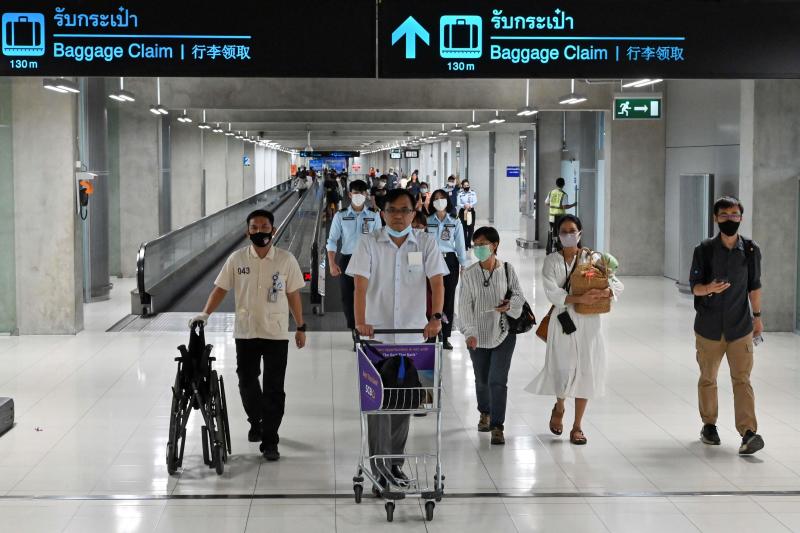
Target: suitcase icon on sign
{"points": [[23, 34], [460, 36]]}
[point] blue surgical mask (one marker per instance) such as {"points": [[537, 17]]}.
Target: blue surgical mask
{"points": [[398, 234]]}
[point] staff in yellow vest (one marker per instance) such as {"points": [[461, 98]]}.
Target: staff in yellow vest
{"points": [[557, 204]]}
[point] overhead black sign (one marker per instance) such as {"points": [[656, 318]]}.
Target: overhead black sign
{"points": [[323, 38], [324, 153], [613, 39]]}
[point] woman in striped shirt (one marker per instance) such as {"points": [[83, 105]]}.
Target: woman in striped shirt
{"points": [[482, 314]]}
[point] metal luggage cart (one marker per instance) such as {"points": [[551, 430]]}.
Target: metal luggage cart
{"points": [[422, 472]]}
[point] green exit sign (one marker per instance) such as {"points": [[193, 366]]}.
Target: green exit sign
{"points": [[637, 108]]}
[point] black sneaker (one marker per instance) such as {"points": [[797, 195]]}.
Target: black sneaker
{"points": [[446, 345], [378, 490], [270, 452], [399, 476], [751, 443], [254, 435], [709, 435]]}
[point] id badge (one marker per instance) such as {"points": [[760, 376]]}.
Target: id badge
{"points": [[365, 226], [445, 235], [415, 261], [273, 295]]}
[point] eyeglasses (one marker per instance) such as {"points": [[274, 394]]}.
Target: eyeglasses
{"points": [[735, 218], [403, 211]]}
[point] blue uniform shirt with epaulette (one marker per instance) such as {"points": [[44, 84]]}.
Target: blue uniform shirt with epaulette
{"points": [[449, 235], [349, 225]]}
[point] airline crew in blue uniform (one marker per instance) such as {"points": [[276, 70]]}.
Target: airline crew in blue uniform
{"points": [[349, 225], [449, 234]]}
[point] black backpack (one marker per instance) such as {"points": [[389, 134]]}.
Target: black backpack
{"points": [[399, 374]]}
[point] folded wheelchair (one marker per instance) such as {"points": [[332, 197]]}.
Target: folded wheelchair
{"points": [[197, 387]]}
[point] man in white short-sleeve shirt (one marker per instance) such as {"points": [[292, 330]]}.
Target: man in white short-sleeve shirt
{"points": [[266, 282], [391, 267]]}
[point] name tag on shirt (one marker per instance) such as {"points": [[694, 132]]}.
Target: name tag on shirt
{"points": [[348, 218], [415, 261]]}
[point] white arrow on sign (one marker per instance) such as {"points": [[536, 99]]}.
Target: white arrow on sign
{"points": [[641, 108]]}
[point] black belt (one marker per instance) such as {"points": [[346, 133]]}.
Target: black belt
{"points": [[445, 254]]}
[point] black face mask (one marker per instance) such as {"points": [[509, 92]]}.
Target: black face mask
{"points": [[466, 189], [729, 227], [261, 239]]}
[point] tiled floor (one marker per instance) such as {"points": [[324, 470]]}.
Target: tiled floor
{"points": [[92, 416]]}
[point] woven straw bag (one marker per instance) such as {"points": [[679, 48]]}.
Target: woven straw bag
{"points": [[587, 276]]}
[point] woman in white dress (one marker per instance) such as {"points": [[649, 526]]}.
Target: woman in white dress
{"points": [[575, 364]]}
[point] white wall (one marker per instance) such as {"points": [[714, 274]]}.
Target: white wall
{"points": [[702, 121]]}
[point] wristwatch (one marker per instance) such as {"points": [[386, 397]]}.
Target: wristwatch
{"points": [[301, 328], [436, 316], [757, 315]]}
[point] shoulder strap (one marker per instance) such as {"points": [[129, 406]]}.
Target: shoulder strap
{"points": [[707, 251], [567, 284]]}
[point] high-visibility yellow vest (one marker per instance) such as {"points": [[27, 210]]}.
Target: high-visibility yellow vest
{"points": [[556, 196]]}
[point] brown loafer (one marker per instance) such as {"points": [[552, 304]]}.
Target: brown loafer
{"points": [[497, 436]]}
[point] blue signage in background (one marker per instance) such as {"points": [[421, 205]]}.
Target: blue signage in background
{"points": [[512, 172], [605, 39], [203, 38]]}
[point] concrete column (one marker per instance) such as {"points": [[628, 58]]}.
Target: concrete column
{"points": [[769, 140], [249, 182], [187, 173], [550, 126], [479, 170], [8, 283], [215, 158], [637, 188], [235, 172], [746, 142], [506, 190], [49, 277], [139, 170]]}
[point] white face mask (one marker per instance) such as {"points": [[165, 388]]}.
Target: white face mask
{"points": [[570, 240], [358, 200], [440, 204]]}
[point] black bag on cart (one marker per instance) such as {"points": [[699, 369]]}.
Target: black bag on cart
{"points": [[6, 414], [399, 374]]}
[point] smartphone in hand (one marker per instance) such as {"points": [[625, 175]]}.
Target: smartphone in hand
{"points": [[758, 340]]}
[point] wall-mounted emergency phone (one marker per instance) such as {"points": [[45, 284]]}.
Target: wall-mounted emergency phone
{"points": [[84, 190]]}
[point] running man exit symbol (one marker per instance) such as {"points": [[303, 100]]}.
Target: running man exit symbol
{"points": [[411, 29]]}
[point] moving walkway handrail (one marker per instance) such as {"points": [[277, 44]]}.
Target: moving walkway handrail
{"points": [[316, 297], [213, 232]]}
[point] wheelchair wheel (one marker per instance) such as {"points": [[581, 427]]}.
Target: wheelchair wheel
{"points": [[224, 403], [217, 432], [173, 444], [219, 459]]}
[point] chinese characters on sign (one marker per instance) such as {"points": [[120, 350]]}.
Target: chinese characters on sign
{"points": [[214, 51]]}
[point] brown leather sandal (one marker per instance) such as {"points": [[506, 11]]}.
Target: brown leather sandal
{"points": [[556, 421], [577, 437]]}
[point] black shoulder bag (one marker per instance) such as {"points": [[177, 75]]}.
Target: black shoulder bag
{"points": [[526, 320]]}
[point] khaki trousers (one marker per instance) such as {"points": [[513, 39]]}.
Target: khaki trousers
{"points": [[740, 361]]}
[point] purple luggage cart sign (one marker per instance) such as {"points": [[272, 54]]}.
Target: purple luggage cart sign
{"points": [[369, 380], [369, 383]]}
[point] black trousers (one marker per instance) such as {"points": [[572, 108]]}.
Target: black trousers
{"points": [[348, 288], [450, 284], [263, 406], [468, 230]]}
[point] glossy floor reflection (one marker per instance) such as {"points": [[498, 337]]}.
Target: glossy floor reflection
{"points": [[92, 416]]}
